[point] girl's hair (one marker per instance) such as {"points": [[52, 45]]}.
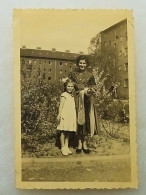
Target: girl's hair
{"points": [[68, 81], [82, 57]]}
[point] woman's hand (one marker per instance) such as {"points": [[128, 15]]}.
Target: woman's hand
{"points": [[85, 90]]}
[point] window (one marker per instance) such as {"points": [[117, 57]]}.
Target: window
{"points": [[120, 53], [44, 75], [105, 43], [126, 83], [50, 62], [115, 45], [61, 71], [49, 70], [34, 61], [60, 78], [126, 66], [117, 37], [44, 69], [65, 71], [115, 33], [60, 63], [121, 38], [120, 67], [49, 78], [70, 66]]}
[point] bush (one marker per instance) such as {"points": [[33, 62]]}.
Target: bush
{"points": [[108, 108], [39, 109]]}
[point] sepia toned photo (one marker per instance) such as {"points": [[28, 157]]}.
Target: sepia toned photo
{"points": [[74, 99]]}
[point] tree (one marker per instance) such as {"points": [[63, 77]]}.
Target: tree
{"points": [[104, 57]]}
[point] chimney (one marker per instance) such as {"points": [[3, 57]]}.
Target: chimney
{"points": [[67, 51], [23, 46], [39, 48], [53, 49], [81, 52]]}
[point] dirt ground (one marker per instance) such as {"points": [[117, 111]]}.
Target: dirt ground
{"points": [[98, 145], [117, 142]]}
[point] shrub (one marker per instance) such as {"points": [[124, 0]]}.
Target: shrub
{"points": [[39, 109], [108, 108]]}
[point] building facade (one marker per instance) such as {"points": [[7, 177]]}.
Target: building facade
{"points": [[115, 38], [46, 66]]}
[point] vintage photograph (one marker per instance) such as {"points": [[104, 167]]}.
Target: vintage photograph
{"points": [[74, 99]]}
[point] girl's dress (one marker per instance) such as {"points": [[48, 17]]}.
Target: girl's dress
{"points": [[68, 114]]}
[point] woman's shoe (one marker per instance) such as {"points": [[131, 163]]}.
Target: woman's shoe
{"points": [[87, 151], [78, 151]]}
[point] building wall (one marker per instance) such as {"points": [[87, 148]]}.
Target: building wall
{"points": [[46, 70], [116, 38]]}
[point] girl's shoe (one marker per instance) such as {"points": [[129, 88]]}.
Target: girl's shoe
{"points": [[64, 151], [68, 150]]}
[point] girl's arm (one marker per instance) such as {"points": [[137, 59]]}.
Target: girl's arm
{"points": [[62, 100]]}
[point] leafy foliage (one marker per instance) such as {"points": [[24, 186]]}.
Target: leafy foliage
{"points": [[38, 113], [103, 57]]}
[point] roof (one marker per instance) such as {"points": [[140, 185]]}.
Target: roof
{"points": [[47, 54], [115, 25]]}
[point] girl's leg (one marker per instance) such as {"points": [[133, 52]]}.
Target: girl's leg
{"points": [[66, 143], [66, 139], [62, 140]]}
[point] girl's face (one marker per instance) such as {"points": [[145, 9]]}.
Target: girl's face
{"points": [[82, 65], [69, 87]]}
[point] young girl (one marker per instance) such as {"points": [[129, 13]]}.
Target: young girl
{"points": [[66, 116]]}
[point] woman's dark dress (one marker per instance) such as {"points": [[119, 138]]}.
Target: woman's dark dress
{"points": [[83, 80]]}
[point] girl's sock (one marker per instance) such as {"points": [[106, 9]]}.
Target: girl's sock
{"points": [[64, 151], [66, 147]]}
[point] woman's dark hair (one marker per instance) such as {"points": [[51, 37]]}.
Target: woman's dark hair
{"points": [[82, 57], [66, 82]]}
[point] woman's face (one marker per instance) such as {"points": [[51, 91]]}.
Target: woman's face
{"points": [[69, 87], [82, 65]]}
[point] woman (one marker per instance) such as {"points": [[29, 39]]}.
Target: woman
{"points": [[86, 114]]}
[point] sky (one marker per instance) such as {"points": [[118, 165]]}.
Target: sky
{"points": [[64, 29]]}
